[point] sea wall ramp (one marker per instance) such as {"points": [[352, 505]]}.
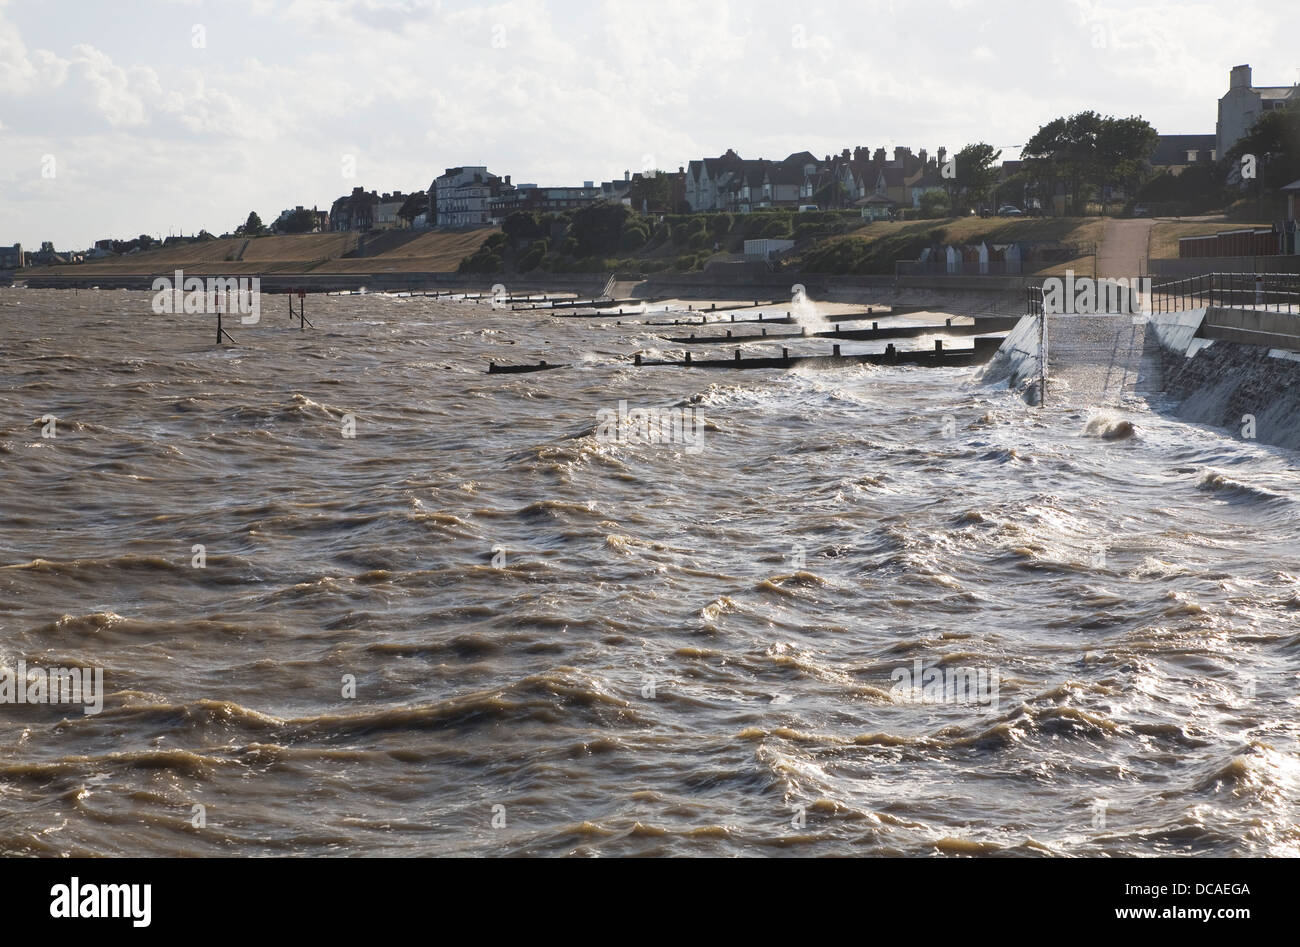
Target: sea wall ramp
{"points": [[1018, 358]]}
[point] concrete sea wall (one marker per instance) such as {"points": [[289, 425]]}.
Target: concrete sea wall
{"points": [[1253, 390], [1208, 373]]}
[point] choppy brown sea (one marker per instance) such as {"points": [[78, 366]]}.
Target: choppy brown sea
{"points": [[352, 595]]}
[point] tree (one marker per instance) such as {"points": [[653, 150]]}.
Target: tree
{"points": [[1197, 189], [522, 225], [300, 221], [650, 192], [1088, 151], [252, 227], [976, 173], [598, 227], [832, 195], [1124, 147], [414, 205], [934, 203], [1063, 152]]}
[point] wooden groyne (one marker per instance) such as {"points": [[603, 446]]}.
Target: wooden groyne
{"points": [[790, 318], [542, 366], [938, 357], [875, 333], [637, 307], [582, 304]]}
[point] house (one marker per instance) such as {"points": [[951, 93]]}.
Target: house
{"points": [[462, 195], [930, 180], [732, 183], [1177, 153], [1244, 103], [616, 191], [708, 180], [786, 179], [386, 212], [877, 207], [891, 182], [355, 211], [11, 258]]}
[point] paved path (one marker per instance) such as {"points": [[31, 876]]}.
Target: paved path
{"points": [[1124, 248]]}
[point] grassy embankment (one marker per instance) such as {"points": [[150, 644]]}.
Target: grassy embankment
{"points": [[433, 252], [874, 248]]}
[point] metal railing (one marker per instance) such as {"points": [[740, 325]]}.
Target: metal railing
{"points": [[1270, 292]]}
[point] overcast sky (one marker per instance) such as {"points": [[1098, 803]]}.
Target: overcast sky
{"points": [[167, 116]]}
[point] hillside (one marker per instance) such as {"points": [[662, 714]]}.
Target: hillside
{"points": [[434, 252], [875, 247]]}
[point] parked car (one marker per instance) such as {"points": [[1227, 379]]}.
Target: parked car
{"points": [[1140, 210], [808, 208], [1009, 210]]}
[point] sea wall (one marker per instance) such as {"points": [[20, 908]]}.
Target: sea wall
{"points": [[1228, 385], [1017, 360]]}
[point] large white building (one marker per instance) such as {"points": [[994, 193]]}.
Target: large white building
{"points": [[463, 194], [1244, 103]]}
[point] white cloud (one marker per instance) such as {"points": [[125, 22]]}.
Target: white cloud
{"points": [[153, 133]]}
